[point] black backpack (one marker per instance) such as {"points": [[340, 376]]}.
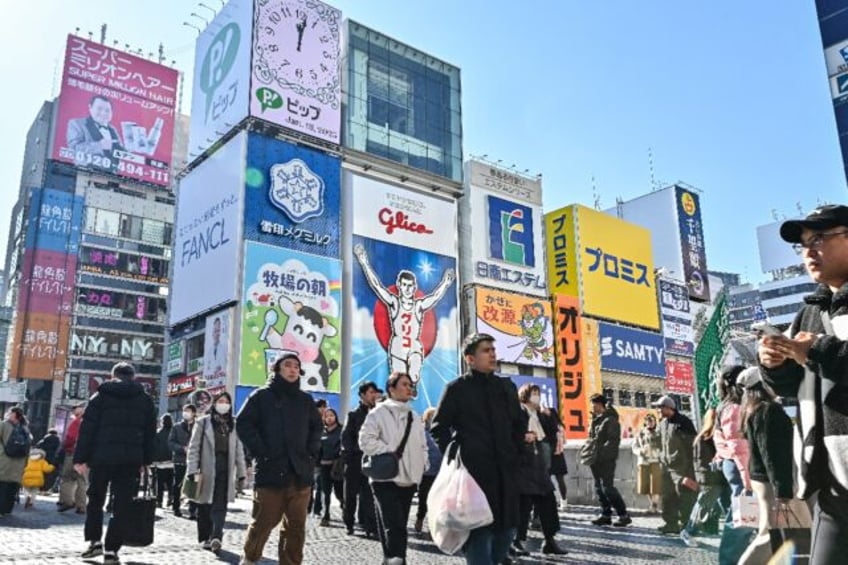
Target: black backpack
{"points": [[18, 444]]}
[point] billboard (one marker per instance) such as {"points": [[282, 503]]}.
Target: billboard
{"points": [[125, 265], [295, 81], [692, 244], [291, 303], [41, 344], [216, 345], [404, 305], [221, 88], [561, 243], [175, 361], [547, 388], [626, 350], [48, 281], [676, 318], [573, 397], [616, 269], [292, 197], [679, 377], [522, 326], [54, 220], [506, 249], [208, 232], [116, 113]]}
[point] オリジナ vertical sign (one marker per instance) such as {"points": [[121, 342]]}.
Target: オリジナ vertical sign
{"points": [[574, 407], [116, 113]]}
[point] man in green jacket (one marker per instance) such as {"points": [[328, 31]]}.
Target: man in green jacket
{"points": [[679, 486]]}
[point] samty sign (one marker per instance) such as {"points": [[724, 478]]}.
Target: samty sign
{"points": [[626, 350]]}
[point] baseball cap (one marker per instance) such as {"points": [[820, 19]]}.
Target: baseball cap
{"points": [[749, 377], [821, 218], [665, 401]]}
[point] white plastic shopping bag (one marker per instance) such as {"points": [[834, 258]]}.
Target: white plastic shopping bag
{"points": [[746, 511], [456, 505]]}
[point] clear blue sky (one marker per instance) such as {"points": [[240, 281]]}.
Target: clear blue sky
{"points": [[732, 97]]}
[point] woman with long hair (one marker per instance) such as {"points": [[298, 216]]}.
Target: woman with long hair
{"points": [[12, 468], [163, 461], [216, 459], [383, 432], [535, 484], [708, 506], [332, 474], [769, 432]]}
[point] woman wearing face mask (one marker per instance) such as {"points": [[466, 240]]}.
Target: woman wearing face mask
{"points": [[216, 459], [535, 485], [178, 441]]}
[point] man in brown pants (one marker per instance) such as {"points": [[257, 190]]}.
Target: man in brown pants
{"points": [[281, 428]]}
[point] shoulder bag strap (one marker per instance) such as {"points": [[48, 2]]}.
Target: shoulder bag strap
{"points": [[828, 326], [402, 445]]}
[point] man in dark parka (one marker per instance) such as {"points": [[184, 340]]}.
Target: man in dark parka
{"points": [[480, 412]]}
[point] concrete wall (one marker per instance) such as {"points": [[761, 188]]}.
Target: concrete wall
{"points": [[581, 486]]}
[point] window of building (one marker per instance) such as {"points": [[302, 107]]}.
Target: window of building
{"points": [[640, 400], [609, 393], [131, 226], [625, 398], [153, 231], [108, 222]]}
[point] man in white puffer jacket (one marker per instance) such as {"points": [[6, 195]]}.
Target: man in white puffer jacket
{"points": [[383, 432]]}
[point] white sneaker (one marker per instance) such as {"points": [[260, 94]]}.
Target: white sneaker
{"points": [[687, 539], [207, 545], [563, 505]]}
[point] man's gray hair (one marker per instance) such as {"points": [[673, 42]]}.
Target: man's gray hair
{"points": [[123, 371]]}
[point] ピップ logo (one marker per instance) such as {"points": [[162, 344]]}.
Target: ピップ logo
{"points": [[218, 61], [511, 232], [296, 190]]}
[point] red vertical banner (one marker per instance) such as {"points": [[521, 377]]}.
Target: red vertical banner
{"points": [[574, 408]]}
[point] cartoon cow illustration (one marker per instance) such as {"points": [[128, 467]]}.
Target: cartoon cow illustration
{"points": [[303, 334]]}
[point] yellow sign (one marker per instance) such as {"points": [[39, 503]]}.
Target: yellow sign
{"points": [[616, 269], [561, 244]]}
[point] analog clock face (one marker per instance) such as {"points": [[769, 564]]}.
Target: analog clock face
{"points": [[297, 46]]}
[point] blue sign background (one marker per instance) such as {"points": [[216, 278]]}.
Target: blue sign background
{"points": [[60, 230], [369, 360], [692, 245], [518, 230], [548, 388], [626, 350], [262, 154]]}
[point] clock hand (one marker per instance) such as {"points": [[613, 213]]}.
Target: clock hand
{"points": [[301, 27]]}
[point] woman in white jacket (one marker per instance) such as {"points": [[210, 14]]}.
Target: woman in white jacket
{"points": [[383, 432]]}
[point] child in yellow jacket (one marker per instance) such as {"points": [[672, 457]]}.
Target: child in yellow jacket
{"points": [[33, 480]]}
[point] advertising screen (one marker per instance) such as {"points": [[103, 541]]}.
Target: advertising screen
{"points": [[293, 197], [561, 236], [116, 113], [625, 350], [295, 81], [41, 347], [48, 279], [55, 219], [616, 269], [125, 265], [221, 88], [679, 377], [522, 326], [216, 354], [692, 244], [573, 397], [208, 232], [291, 303], [404, 297]]}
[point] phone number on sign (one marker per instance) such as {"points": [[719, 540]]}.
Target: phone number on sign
{"points": [[149, 171]]}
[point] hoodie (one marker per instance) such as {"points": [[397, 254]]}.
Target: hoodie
{"points": [[383, 432]]}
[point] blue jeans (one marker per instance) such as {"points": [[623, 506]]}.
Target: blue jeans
{"points": [[734, 541], [487, 546]]}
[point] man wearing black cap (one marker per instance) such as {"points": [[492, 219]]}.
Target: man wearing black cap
{"points": [[679, 487], [281, 428], [355, 483], [810, 363], [481, 413], [604, 440]]}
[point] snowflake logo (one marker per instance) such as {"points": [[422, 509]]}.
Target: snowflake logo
{"points": [[296, 190]]}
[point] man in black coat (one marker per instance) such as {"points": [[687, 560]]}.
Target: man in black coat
{"points": [[116, 440], [281, 428], [679, 487], [481, 413], [50, 445], [605, 433], [355, 483]]}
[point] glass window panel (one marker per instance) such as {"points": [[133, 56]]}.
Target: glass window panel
{"points": [[108, 222]]}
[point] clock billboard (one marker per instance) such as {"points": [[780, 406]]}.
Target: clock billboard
{"points": [[293, 81]]}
